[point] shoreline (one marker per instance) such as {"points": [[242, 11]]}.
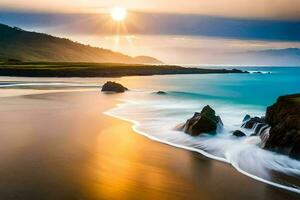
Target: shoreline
{"points": [[135, 124], [117, 159]]}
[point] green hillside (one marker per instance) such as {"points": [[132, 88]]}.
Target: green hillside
{"points": [[17, 44], [69, 69]]}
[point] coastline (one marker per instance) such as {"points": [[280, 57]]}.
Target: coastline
{"points": [[135, 125], [114, 160], [56, 69]]}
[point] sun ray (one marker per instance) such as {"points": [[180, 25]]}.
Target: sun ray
{"points": [[118, 14], [117, 37]]}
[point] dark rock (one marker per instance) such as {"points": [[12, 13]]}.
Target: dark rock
{"points": [[238, 71], [256, 123], [261, 128], [258, 127], [204, 122], [252, 121], [295, 150], [246, 118], [238, 133], [113, 87], [220, 120], [284, 119], [161, 92]]}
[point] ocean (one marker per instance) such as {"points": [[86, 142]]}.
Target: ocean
{"points": [[232, 96]]}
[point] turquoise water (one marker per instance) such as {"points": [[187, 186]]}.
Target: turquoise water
{"points": [[232, 96], [252, 89]]}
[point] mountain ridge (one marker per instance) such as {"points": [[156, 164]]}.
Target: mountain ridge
{"points": [[27, 46]]}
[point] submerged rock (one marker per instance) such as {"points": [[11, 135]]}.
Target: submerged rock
{"points": [[161, 92], [204, 122], [284, 119], [259, 127], [257, 124], [251, 122], [113, 87], [238, 133], [246, 118]]}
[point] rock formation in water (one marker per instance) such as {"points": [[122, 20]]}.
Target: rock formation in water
{"points": [[259, 126], [246, 118], [284, 119], [113, 87], [204, 122], [161, 92], [250, 122], [238, 133], [280, 129]]}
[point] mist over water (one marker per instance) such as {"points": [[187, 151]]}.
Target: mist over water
{"points": [[232, 96]]}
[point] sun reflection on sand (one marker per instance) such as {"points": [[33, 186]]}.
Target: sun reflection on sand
{"points": [[60, 145], [127, 168]]}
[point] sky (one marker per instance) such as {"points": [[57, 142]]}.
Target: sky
{"points": [[188, 31]]}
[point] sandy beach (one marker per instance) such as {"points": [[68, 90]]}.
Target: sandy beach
{"points": [[61, 146]]}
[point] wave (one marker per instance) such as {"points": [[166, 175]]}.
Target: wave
{"points": [[194, 95], [259, 72], [156, 119]]}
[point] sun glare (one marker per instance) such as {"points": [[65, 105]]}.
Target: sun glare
{"points": [[118, 14]]}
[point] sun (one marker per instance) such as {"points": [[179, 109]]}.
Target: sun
{"points": [[118, 14]]}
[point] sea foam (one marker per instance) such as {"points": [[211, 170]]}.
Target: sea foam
{"points": [[156, 116]]}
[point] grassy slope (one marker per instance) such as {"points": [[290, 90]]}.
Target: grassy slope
{"points": [[30, 46], [45, 69]]}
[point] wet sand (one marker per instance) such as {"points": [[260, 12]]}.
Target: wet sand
{"points": [[61, 146]]}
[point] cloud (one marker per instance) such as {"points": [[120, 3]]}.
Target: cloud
{"points": [[158, 24], [174, 38], [272, 9]]}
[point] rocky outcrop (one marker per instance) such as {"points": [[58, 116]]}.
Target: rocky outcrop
{"points": [[238, 133], [259, 127], [280, 129], [204, 122], [246, 118], [250, 122], [284, 119], [113, 87]]}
